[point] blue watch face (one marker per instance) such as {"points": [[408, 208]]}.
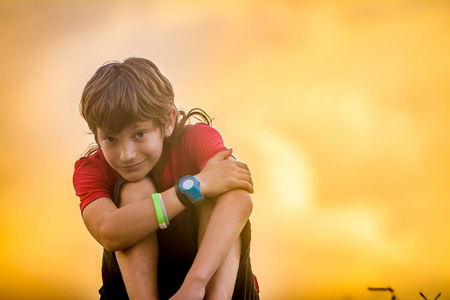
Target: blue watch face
{"points": [[187, 183], [189, 186]]}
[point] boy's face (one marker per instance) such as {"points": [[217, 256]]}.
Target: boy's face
{"points": [[134, 151]]}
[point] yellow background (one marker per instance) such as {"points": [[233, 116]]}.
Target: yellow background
{"points": [[341, 109]]}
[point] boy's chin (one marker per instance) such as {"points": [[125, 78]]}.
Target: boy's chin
{"points": [[133, 177]]}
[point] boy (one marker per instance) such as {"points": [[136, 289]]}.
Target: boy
{"points": [[145, 148]]}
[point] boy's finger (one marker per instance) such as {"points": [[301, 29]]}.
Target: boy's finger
{"points": [[242, 165], [246, 183], [244, 171], [248, 187], [222, 155]]}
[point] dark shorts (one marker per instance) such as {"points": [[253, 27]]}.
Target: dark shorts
{"points": [[177, 250]]}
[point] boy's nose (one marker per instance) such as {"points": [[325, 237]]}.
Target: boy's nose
{"points": [[127, 153]]}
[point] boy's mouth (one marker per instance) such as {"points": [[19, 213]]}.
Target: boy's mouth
{"points": [[132, 167]]}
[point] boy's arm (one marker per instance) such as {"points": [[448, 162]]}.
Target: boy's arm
{"points": [[229, 216], [119, 228]]}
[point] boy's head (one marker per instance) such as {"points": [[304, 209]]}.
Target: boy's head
{"points": [[122, 94]]}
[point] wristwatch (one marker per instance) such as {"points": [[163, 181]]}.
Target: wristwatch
{"points": [[188, 191]]}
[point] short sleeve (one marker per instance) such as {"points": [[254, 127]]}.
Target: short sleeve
{"points": [[201, 143], [93, 178]]}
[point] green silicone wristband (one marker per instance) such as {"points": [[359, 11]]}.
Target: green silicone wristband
{"points": [[158, 209]]}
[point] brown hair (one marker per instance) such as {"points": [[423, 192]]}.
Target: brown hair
{"points": [[120, 94]]}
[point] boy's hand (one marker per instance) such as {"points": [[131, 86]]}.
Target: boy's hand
{"points": [[223, 173], [189, 292]]}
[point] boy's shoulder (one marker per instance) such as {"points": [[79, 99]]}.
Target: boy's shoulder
{"points": [[93, 178], [94, 164], [200, 143], [96, 158], [200, 130], [94, 168]]}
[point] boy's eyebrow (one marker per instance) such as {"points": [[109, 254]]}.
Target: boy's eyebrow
{"points": [[142, 125], [102, 134], [137, 125]]}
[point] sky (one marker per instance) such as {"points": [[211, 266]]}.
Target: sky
{"points": [[340, 108]]}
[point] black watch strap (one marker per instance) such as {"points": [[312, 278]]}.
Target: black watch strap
{"points": [[182, 197]]}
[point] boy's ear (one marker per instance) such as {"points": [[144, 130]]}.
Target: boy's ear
{"points": [[171, 124], [96, 136]]}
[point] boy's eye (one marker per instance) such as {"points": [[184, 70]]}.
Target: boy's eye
{"points": [[140, 134], [110, 139]]}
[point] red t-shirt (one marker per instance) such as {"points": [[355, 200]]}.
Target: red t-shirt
{"points": [[93, 178]]}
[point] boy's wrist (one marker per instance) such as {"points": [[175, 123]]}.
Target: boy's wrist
{"points": [[195, 281], [201, 182], [188, 191]]}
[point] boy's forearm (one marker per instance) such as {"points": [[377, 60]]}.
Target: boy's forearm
{"points": [[227, 220], [150, 224], [119, 228]]}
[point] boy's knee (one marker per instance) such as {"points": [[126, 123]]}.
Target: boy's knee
{"points": [[218, 293], [132, 192], [240, 201]]}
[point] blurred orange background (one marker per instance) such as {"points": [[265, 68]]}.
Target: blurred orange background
{"points": [[341, 109]]}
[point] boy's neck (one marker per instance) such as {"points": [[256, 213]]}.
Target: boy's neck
{"points": [[159, 167]]}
